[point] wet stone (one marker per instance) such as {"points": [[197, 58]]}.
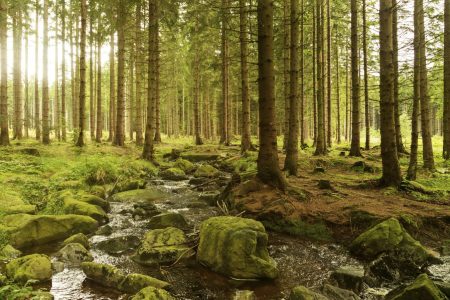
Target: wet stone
{"points": [[104, 230], [350, 278], [244, 295], [119, 245]]}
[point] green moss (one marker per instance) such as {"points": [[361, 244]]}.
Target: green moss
{"points": [[72, 206], [36, 267], [12, 291], [103, 274], [151, 293], [150, 194], [206, 171], [184, 165], [316, 231], [79, 238], [163, 246], [236, 247], [389, 236], [303, 293], [9, 252], [169, 219], [422, 288], [173, 174], [133, 283], [28, 230]]}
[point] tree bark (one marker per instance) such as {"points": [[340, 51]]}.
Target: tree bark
{"points": [[4, 133], [45, 94], [428, 157], [268, 169], [225, 137], [338, 91], [355, 149], [291, 162], [82, 113], [57, 110], [366, 78], [112, 90], [139, 75], [321, 147], [446, 149], [91, 79], [37, 106], [198, 139], [99, 127], [391, 167], [286, 53], [120, 109], [63, 74], [17, 78], [329, 103]]}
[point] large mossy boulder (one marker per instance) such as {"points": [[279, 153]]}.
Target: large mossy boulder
{"points": [[133, 283], [174, 174], [236, 247], [76, 207], [390, 237], [79, 238], [151, 293], [169, 219], [103, 274], [19, 209], [422, 288], [334, 293], [163, 246], [184, 165], [206, 171], [94, 200], [303, 293], [36, 267], [30, 230], [200, 156], [145, 195], [74, 254]]}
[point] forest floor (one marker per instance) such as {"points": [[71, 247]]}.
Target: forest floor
{"points": [[335, 197]]}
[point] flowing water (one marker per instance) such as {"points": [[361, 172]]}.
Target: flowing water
{"points": [[299, 261]]}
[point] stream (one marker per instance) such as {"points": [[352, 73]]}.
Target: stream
{"points": [[300, 262]]}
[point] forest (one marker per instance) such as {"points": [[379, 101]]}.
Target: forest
{"points": [[228, 149]]}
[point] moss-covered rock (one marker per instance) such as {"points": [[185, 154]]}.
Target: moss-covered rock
{"points": [[18, 209], [119, 245], [184, 165], [349, 278], [36, 267], [72, 206], [334, 293], [74, 254], [200, 157], [244, 295], [236, 247], [145, 195], [9, 252], [79, 238], [151, 293], [303, 293], [29, 230], [127, 185], [446, 248], [390, 237], [94, 200], [422, 288], [163, 246], [169, 219], [206, 171], [173, 174], [133, 283], [103, 274]]}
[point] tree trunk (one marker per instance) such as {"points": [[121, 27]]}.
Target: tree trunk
{"points": [[291, 162], [338, 91], [120, 111], [268, 169], [63, 73], [398, 132], [91, 80], [37, 106], [139, 75], [446, 152], [246, 143], [225, 137], [156, 100], [198, 139], [27, 86], [321, 147], [112, 90], [366, 78], [45, 94], [99, 127], [329, 106], [391, 167], [57, 110], [355, 149], [428, 157], [17, 81], [148, 152], [4, 134], [80, 141], [302, 78], [286, 53]]}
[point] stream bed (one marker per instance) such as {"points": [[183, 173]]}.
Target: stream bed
{"points": [[300, 262]]}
